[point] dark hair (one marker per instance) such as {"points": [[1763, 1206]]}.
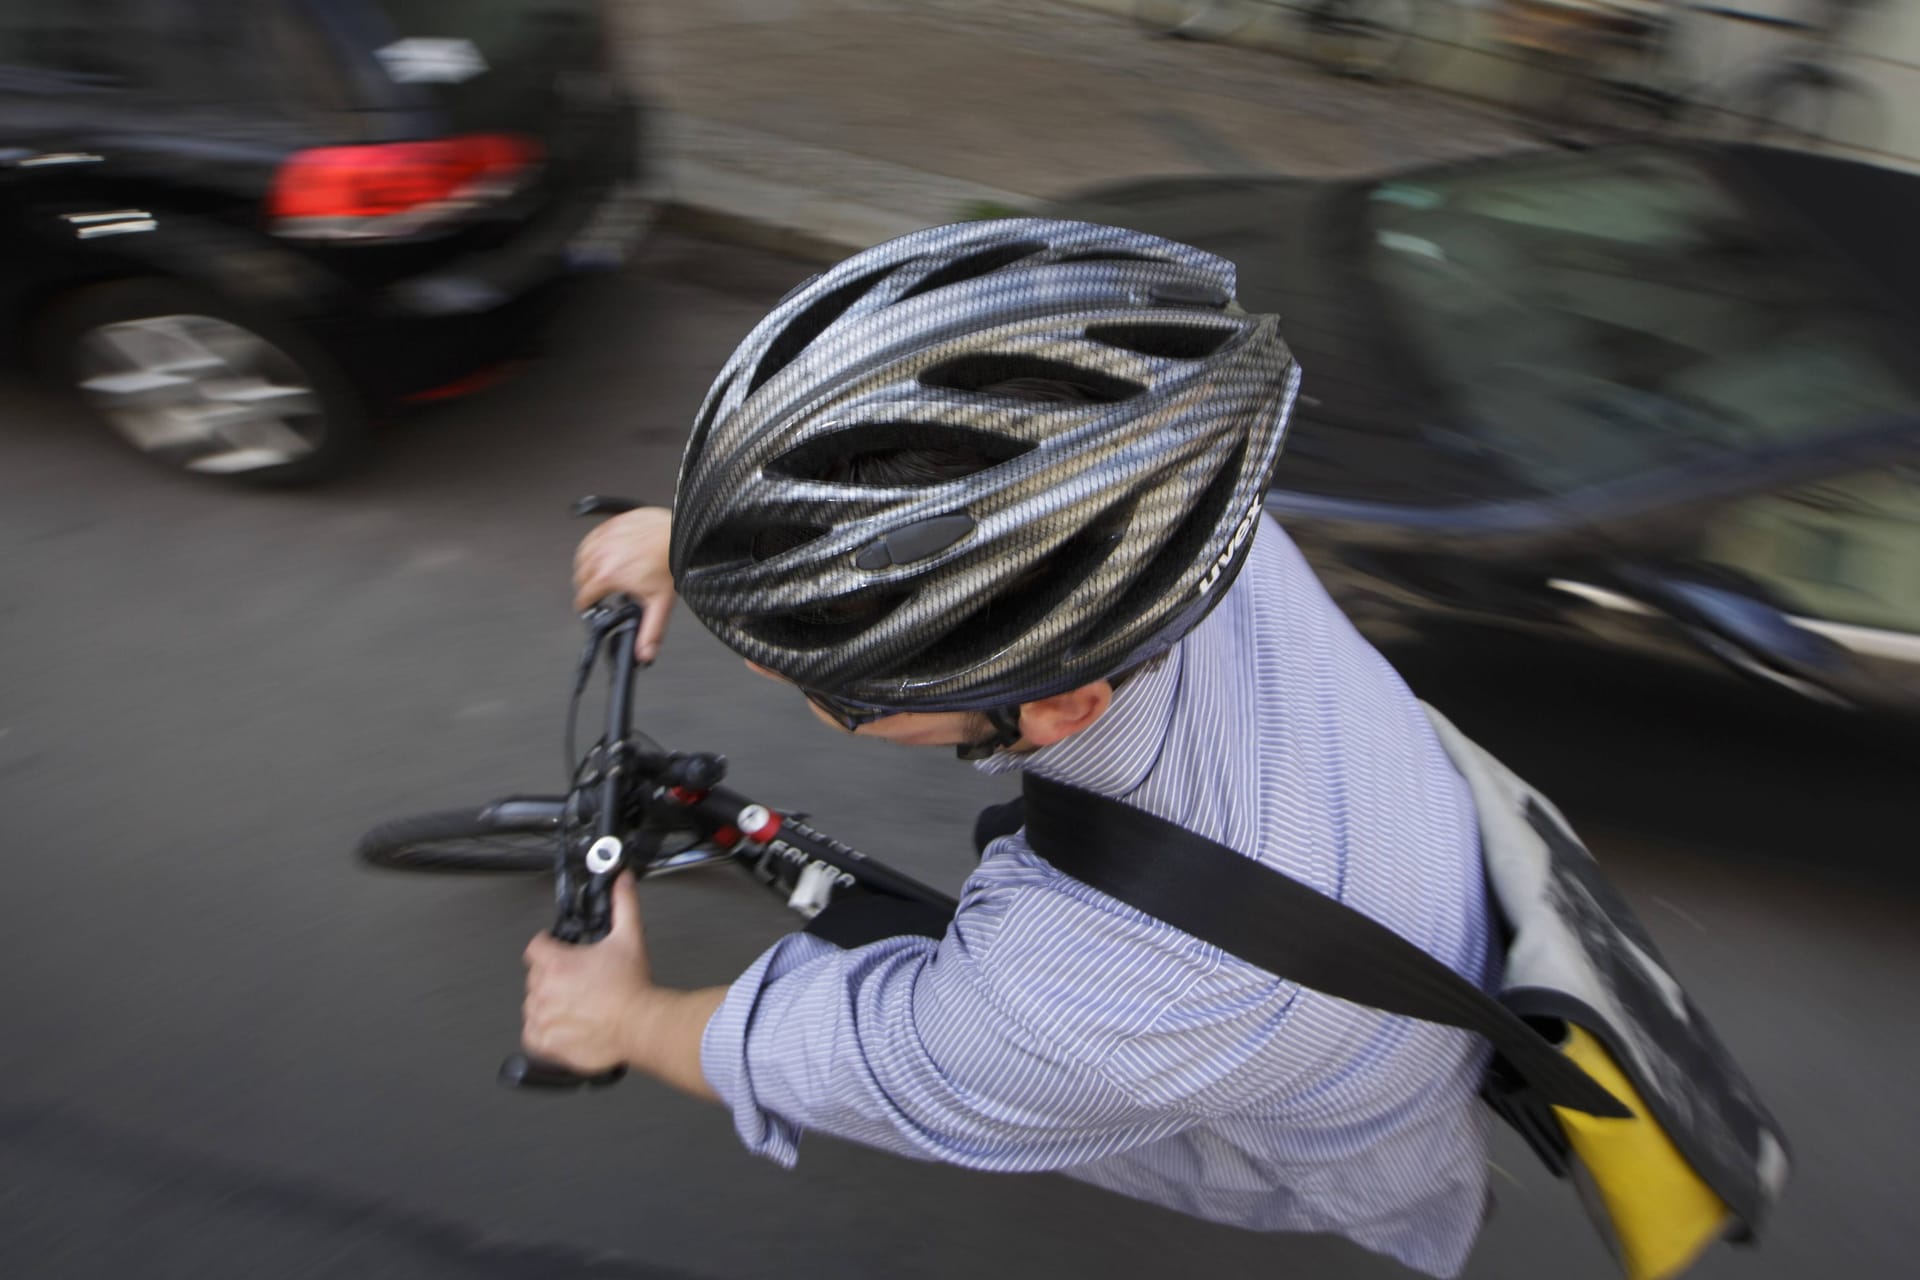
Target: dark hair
{"points": [[919, 467], [927, 466], [907, 467], [913, 467]]}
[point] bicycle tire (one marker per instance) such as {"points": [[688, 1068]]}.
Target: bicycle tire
{"points": [[1192, 19], [1360, 39], [496, 838]]}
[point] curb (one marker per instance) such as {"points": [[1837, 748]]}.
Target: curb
{"points": [[761, 214], [716, 186]]}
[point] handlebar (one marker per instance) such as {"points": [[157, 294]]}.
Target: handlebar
{"points": [[585, 914], [639, 793], [522, 1072]]}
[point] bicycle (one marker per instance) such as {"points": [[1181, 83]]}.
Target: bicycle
{"points": [[1363, 39], [630, 803], [1622, 76]]}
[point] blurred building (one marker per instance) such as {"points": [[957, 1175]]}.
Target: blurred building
{"points": [[1490, 49]]}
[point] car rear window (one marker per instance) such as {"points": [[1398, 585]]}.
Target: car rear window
{"points": [[88, 42], [267, 55], [547, 68], [266, 58]]}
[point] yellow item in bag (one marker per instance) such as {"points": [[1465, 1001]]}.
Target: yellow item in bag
{"points": [[1663, 1214], [1699, 1158]]}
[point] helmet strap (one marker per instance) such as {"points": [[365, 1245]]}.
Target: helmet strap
{"points": [[1006, 732]]}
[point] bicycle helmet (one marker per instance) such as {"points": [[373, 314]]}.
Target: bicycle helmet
{"points": [[1115, 418]]}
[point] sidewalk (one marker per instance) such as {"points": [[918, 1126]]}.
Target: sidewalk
{"points": [[822, 126]]}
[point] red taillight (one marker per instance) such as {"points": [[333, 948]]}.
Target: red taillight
{"points": [[392, 187]]}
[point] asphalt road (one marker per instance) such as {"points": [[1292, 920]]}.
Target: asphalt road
{"points": [[229, 1051]]}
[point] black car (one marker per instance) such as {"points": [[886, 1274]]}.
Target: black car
{"points": [[1660, 397], [244, 229]]}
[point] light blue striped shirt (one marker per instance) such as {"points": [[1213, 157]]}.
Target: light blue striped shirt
{"points": [[1054, 1028]]}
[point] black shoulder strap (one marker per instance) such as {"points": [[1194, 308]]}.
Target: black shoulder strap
{"points": [[1274, 922]]}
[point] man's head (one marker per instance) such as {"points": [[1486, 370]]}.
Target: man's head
{"points": [[980, 468]]}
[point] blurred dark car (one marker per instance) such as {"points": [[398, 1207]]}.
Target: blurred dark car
{"points": [[1662, 398], [246, 228]]}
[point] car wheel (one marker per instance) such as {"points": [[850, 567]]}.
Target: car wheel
{"points": [[192, 382]]}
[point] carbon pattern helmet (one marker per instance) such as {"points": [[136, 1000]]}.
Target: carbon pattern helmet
{"points": [[1120, 417]]}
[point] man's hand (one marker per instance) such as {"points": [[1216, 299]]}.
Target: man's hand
{"points": [[629, 554], [587, 1004], [593, 1006]]}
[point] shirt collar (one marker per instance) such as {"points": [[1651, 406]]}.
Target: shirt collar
{"points": [[1115, 753]]}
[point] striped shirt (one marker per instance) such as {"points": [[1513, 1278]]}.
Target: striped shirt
{"points": [[1054, 1028]]}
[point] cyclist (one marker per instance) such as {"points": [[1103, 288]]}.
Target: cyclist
{"points": [[997, 486]]}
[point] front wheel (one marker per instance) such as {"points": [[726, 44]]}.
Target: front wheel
{"points": [[509, 835]]}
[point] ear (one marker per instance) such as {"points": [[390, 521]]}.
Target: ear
{"points": [[1049, 720]]}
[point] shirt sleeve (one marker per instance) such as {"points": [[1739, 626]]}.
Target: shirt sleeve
{"points": [[901, 1045]]}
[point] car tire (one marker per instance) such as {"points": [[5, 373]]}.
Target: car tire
{"points": [[198, 384]]}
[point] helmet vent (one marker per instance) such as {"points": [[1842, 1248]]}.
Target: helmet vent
{"points": [[986, 372], [823, 625], [1174, 341], [896, 454], [811, 323], [745, 541], [1110, 255], [974, 265]]}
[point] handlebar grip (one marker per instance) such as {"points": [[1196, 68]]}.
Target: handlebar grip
{"points": [[522, 1072]]}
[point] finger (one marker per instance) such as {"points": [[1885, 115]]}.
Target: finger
{"points": [[588, 584], [653, 629], [596, 536], [585, 553], [626, 908], [538, 950], [590, 558]]}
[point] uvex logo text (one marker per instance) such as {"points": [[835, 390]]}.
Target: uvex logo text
{"points": [[1240, 534]]}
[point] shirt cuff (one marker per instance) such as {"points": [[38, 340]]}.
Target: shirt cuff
{"points": [[723, 1050]]}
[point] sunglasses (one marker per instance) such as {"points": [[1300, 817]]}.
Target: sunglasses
{"points": [[848, 715]]}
